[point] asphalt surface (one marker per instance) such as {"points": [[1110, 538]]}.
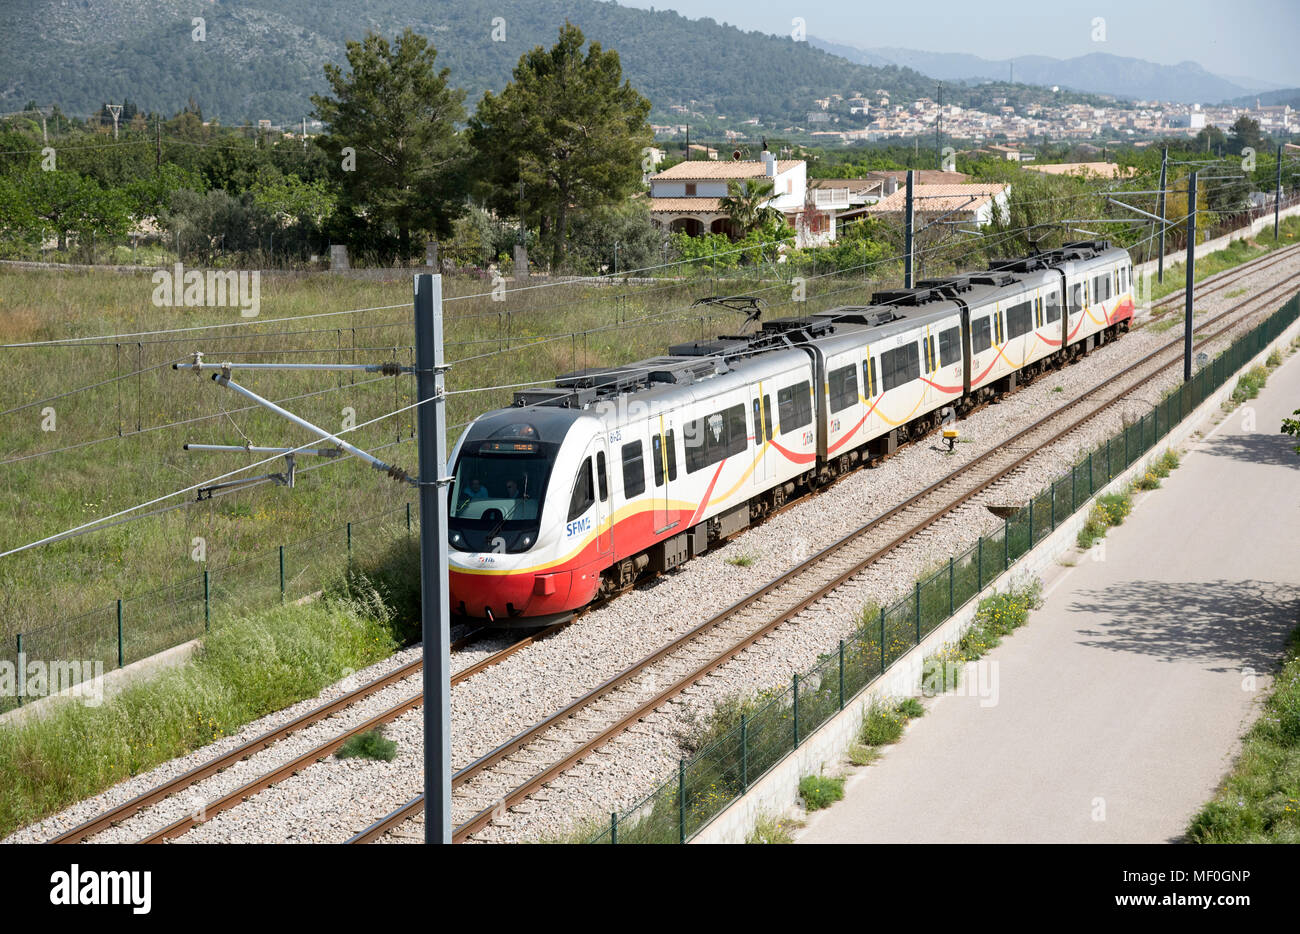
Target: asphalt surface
{"points": [[1115, 713]]}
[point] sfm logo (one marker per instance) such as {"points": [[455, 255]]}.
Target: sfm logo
{"points": [[578, 525]]}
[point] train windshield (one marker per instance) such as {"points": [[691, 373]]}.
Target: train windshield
{"points": [[496, 501]]}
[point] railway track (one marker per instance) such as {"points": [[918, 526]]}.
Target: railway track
{"points": [[1222, 280], [128, 809], [482, 791], [620, 700]]}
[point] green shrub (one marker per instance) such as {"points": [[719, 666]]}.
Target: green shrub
{"points": [[768, 829], [820, 791], [1250, 383], [369, 745]]}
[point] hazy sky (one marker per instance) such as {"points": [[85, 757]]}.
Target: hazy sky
{"points": [[1255, 38]]}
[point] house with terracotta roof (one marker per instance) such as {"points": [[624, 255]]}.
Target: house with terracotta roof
{"points": [[688, 196], [972, 203]]}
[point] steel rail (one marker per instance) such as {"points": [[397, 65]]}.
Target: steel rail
{"points": [[484, 817]]}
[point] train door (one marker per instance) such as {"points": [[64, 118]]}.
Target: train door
{"points": [[604, 500], [663, 464], [761, 410]]}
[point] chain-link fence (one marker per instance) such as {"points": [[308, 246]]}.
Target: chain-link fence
{"points": [[721, 771]]}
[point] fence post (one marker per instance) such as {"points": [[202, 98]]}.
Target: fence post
{"points": [[796, 710], [207, 603], [1109, 475], [22, 669], [1053, 507], [119, 634], [1074, 487], [408, 517], [882, 640], [1031, 522], [1091, 487], [979, 565], [952, 597], [281, 573], [613, 815], [1006, 543], [681, 800], [918, 612], [841, 674], [744, 753]]}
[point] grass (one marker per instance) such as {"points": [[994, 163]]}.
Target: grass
{"points": [[1249, 385], [883, 723], [246, 669], [1259, 800], [1236, 253], [1109, 510], [369, 745], [124, 446], [769, 829], [742, 561], [820, 791], [997, 615], [1157, 470]]}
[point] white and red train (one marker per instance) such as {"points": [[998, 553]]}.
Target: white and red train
{"points": [[576, 491]]}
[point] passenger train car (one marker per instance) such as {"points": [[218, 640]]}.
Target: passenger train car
{"points": [[577, 491]]}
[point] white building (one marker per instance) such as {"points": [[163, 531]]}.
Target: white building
{"points": [[688, 196]]}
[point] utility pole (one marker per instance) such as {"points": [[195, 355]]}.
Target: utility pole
{"points": [[1277, 195], [938, 130], [688, 142], [1160, 261], [909, 217], [45, 136], [304, 134], [116, 111], [157, 124], [435, 623], [1191, 279]]}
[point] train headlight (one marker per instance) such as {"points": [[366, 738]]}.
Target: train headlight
{"points": [[525, 542], [457, 540]]}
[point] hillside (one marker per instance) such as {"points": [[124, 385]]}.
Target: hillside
{"points": [[263, 58], [1097, 73]]}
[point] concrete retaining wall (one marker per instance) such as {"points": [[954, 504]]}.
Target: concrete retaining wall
{"points": [[777, 792]]}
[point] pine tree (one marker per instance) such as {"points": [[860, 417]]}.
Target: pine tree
{"points": [[568, 129], [398, 114]]}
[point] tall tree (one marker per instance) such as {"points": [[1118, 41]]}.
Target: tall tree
{"points": [[568, 129], [398, 115]]}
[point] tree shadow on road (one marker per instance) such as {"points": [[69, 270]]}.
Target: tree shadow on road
{"points": [[1275, 450], [1236, 624]]}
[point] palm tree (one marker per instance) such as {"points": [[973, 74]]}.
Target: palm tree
{"points": [[746, 204]]}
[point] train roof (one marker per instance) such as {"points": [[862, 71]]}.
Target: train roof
{"points": [[704, 368]]}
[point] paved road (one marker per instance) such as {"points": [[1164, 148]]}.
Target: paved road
{"points": [[1120, 706]]}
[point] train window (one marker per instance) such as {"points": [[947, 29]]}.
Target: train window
{"points": [[900, 365], [981, 335], [1101, 288], [670, 451], [583, 495], [1019, 319], [1053, 307], [657, 458], [1038, 312], [997, 323], [758, 424], [794, 406], [633, 469], [602, 480], [1076, 298], [767, 415], [715, 437], [844, 387], [949, 347], [934, 359]]}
